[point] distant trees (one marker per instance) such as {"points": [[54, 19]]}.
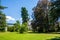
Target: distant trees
{"points": [[16, 26], [46, 14], [10, 28]]}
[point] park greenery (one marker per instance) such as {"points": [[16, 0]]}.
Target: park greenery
{"points": [[45, 20], [2, 19], [28, 36]]}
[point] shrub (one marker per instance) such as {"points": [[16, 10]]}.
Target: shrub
{"points": [[2, 29], [23, 28], [11, 29]]}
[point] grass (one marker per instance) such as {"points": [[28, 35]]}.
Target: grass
{"points": [[27, 36]]}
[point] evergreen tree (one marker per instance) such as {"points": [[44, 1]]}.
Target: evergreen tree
{"points": [[24, 14], [2, 18], [2, 21]]}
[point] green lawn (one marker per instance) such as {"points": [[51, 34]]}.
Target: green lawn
{"points": [[26, 36]]}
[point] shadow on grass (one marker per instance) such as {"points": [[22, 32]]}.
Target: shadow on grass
{"points": [[46, 32], [56, 38]]}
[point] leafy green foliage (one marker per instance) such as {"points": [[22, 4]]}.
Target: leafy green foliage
{"points": [[2, 7], [23, 28], [45, 20], [24, 14], [2, 21], [41, 17], [10, 28], [54, 13], [17, 26], [55, 10]]}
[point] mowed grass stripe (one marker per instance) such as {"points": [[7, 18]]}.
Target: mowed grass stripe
{"points": [[27, 36]]}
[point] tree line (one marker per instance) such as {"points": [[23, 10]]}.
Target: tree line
{"points": [[45, 18]]}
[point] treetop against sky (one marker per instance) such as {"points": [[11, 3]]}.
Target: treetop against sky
{"points": [[13, 12], [14, 8]]}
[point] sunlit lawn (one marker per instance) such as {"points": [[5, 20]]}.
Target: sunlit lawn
{"points": [[26, 36]]}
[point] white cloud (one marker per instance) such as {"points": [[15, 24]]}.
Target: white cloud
{"points": [[9, 18]]}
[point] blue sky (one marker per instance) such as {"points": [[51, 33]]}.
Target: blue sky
{"points": [[14, 8], [13, 12]]}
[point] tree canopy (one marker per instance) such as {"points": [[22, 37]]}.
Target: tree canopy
{"points": [[24, 14]]}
